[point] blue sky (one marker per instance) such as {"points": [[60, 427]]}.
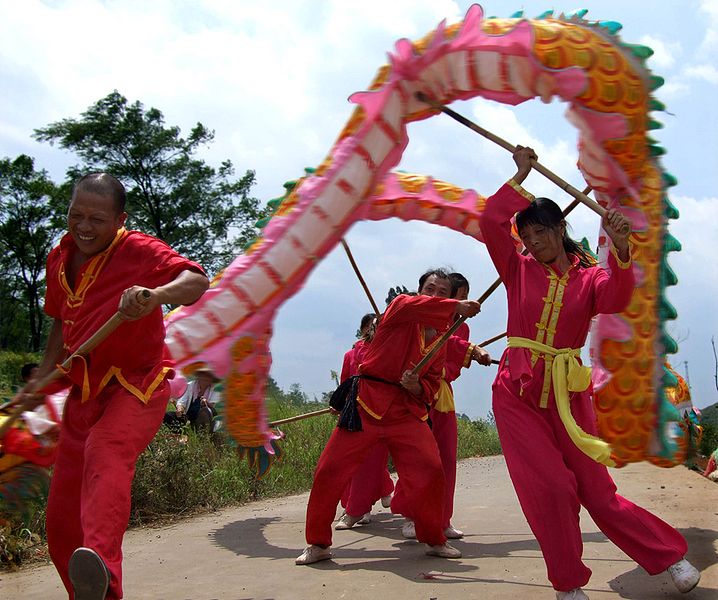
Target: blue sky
{"points": [[272, 80]]}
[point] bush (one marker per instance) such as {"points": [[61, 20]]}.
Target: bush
{"points": [[477, 438], [10, 365], [709, 440], [22, 535]]}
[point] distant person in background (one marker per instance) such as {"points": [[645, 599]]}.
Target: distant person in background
{"points": [[197, 404], [28, 371], [712, 467], [371, 481]]}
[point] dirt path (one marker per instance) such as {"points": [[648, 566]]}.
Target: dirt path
{"points": [[248, 552]]}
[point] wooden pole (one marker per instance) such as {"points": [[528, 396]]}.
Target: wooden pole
{"points": [[361, 279], [308, 415], [87, 346], [550, 175], [491, 340]]}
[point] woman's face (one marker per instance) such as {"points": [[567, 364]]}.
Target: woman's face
{"points": [[544, 243]]}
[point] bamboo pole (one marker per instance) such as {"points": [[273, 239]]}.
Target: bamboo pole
{"points": [[87, 346], [550, 175], [491, 340], [308, 415], [361, 279]]}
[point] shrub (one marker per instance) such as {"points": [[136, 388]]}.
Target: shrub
{"points": [[10, 365]]}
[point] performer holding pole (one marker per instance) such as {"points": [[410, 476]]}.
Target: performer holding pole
{"points": [[459, 354], [386, 403], [542, 395], [119, 391]]}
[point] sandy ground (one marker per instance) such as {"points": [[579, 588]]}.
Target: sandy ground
{"points": [[248, 552]]}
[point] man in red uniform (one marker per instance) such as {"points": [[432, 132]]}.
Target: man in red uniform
{"points": [[459, 354], [119, 391], [392, 405]]}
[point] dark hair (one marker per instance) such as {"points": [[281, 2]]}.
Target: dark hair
{"points": [[440, 273], [366, 320], [458, 281], [103, 184], [26, 370], [545, 212]]}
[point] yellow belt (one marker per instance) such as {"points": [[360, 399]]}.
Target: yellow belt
{"points": [[444, 398], [567, 375]]}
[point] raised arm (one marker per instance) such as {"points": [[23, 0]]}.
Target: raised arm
{"points": [[613, 289], [500, 208]]}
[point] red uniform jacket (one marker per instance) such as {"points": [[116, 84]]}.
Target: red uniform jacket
{"points": [[135, 353], [352, 360], [553, 308], [398, 345]]}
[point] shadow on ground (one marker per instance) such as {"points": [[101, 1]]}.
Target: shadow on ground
{"points": [[405, 558], [701, 552]]}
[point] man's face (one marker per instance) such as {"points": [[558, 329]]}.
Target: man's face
{"points": [[93, 221], [436, 286]]}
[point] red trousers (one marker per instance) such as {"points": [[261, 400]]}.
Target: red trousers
{"points": [[415, 457], [444, 430], [89, 502], [370, 483], [443, 426], [553, 479]]}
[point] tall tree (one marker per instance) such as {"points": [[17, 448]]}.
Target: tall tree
{"points": [[201, 211], [29, 226]]}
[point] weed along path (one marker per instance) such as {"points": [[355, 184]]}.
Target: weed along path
{"points": [[248, 552]]}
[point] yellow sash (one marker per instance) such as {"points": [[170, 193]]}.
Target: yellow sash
{"points": [[567, 375], [444, 398]]}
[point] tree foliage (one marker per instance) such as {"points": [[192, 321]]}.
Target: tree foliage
{"points": [[29, 227], [202, 212]]}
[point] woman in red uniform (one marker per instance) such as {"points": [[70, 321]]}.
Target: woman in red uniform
{"points": [[371, 481], [553, 460]]}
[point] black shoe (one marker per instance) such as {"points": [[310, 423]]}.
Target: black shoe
{"points": [[88, 574]]}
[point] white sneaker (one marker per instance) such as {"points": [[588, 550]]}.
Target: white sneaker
{"points": [[313, 554], [346, 521], [452, 533], [684, 575], [408, 530], [574, 594], [444, 551], [365, 520], [386, 501]]}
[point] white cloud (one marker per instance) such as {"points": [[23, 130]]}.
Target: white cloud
{"points": [[272, 80], [705, 72], [674, 89], [664, 53], [710, 39]]}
